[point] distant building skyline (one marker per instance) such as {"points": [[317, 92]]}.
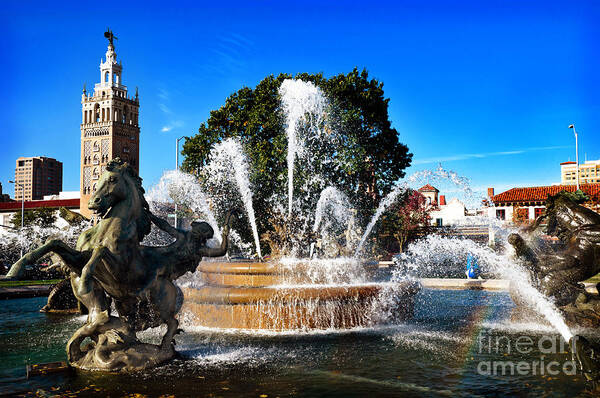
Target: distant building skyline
{"points": [[36, 177], [4, 197], [589, 172]]}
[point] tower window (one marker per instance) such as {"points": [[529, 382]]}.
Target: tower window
{"points": [[105, 79]]}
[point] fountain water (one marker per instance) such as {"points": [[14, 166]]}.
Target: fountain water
{"points": [[228, 157], [434, 253], [302, 101], [423, 176], [183, 188], [289, 293], [335, 200], [315, 293]]}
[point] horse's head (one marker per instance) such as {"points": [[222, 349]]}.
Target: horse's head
{"points": [[113, 188], [119, 186]]}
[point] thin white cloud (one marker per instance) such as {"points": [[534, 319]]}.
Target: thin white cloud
{"points": [[172, 125], [467, 156], [163, 94], [165, 109]]}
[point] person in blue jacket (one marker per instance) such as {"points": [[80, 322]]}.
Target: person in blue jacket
{"points": [[472, 267]]}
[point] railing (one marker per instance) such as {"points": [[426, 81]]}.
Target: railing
{"points": [[97, 124]]}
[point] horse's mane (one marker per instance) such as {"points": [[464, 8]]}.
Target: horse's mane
{"points": [[566, 201], [143, 223]]}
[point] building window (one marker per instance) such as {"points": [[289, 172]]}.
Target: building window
{"points": [[501, 214], [439, 222], [523, 214], [538, 211]]}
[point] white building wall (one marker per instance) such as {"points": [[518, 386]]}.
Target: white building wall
{"points": [[63, 195], [451, 214]]}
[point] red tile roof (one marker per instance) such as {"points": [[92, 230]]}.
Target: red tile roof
{"points": [[34, 204], [428, 188], [540, 194]]}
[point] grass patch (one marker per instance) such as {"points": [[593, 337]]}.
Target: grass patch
{"points": [[29, 283]]}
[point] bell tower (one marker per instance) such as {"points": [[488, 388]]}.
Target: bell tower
{"points": [[109, 125]]}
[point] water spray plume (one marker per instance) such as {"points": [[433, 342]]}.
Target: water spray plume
{"points": [[298, 99]]}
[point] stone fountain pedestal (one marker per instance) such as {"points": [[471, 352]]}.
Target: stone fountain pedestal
{"points": [[269, 296]]}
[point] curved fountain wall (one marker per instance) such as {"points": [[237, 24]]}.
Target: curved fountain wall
{"points": [[258, 295]]}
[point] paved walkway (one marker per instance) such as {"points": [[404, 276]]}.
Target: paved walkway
{"points": [[479, 284], [465, 284]]}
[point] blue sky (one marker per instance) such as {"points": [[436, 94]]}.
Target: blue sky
{"points": [[486, 87]]}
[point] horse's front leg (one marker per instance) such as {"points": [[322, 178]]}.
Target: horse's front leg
{"points": [[73, 259], [88, 291]]}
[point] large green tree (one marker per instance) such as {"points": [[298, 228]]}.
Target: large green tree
{"points": [[369, 156]]}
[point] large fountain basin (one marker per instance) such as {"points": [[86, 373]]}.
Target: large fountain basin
{"points": [[249, 295]]}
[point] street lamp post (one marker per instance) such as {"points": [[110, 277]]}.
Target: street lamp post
{"points": [[22, 208], [177, 169], [572, 126]]}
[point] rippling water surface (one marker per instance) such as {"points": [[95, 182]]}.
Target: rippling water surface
{"points": [[438, 353]]}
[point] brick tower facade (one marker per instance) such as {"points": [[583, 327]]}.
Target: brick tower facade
{"points": [[109, 126]]}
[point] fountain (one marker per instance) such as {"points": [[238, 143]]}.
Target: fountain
{"points": [[285, 296], [326, 289], [288, 293]]}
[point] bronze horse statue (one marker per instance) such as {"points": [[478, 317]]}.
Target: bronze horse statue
{"points": [[559, 273], [109, 264]]}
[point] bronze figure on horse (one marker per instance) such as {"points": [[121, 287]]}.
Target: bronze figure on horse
{"points": [[109, 264]]}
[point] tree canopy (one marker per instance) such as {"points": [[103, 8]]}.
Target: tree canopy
{"points": [[369, 157], [405, 219], [43, 217]]}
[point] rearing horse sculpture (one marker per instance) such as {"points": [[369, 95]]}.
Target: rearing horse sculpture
{"points": [[109, 263]]}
